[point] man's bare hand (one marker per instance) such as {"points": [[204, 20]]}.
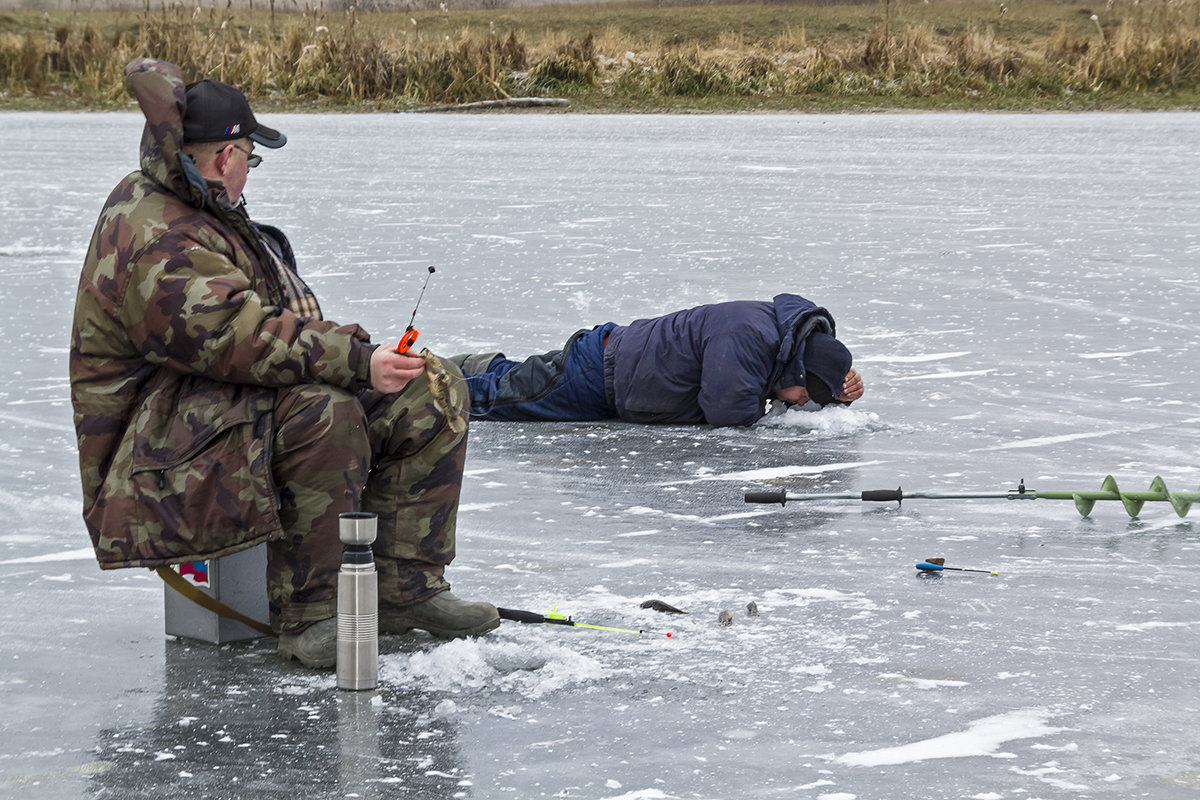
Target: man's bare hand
{"points": [[391, 372], [852, 387]]}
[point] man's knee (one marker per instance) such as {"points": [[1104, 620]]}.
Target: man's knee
{"points": [[431, 409]]}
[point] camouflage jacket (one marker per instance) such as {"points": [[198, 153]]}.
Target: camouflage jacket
{"points": [[181, 336]]}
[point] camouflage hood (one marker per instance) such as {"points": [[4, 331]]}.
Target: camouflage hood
{"points": [[161, 93]]}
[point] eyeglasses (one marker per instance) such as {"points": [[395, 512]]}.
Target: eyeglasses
{"points": [[252, 159]]}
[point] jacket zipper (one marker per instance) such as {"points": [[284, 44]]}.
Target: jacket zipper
{"points": [[262, 429]]}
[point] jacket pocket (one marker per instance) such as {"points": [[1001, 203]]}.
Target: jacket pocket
{"points": [[201, 470]]}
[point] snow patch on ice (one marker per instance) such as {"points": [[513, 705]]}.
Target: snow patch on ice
{"points": [[531, 669], [581, 301], [469, 507], [830, 422], [642, 794], [982, 738], [631, 562], [920, 683], [801, 597]]}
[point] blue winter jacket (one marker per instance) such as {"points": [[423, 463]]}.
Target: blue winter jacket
{"points": [[714, 364]]}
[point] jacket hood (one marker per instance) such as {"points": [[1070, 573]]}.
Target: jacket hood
{"points": [[159, 89], [797, 319]]}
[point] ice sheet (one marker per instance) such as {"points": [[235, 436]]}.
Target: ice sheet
{"points": [[1021, 298]]}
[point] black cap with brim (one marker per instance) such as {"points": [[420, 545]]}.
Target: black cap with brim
{"points": [[218, 112], [826, 363]]}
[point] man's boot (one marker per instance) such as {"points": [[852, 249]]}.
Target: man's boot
{"points": [[443, 615], [314, 647]]}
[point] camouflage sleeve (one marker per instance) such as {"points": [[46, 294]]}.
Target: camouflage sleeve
{"points": [[192, 309]]}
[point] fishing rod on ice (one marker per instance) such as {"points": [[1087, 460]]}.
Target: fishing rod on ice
{"points": [[938, 564], [553, 618], [1084, 500]]}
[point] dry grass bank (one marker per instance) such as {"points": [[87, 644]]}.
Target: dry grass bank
{"points": [[1016, 54]]}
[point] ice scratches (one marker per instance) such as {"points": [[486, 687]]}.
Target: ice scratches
{"points": [[25, 422], [642, 794], [918, 359], [83, 553], [22, 250], [975, 373], [768, 473], [1042, 441], [647, 511], [983, 737], [1123, 354], [914, 335]]}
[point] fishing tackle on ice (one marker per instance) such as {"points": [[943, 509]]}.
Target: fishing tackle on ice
{"points": [[553, 618]]}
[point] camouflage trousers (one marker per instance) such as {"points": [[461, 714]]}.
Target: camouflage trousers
{"points": [[399, 456]]}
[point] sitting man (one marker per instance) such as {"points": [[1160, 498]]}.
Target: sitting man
{"points": [[716, 364], [215, 408]]}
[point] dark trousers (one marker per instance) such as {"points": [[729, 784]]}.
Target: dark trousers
{"points": [[566, 384], [394, 455]]}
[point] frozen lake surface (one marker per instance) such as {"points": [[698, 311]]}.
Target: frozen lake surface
{"points": [[1022, 297]]}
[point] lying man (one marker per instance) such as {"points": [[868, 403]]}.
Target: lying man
{"points": [[716, 364]]}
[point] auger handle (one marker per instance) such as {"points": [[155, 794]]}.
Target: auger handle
{"points": [[882, 495], [767, 497]]}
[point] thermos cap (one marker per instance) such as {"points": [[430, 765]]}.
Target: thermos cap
{"points": [[357, 527]]}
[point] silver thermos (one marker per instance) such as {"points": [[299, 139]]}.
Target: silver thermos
{"points": [[357, 604]]}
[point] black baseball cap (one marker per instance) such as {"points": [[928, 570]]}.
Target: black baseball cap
{"points": [[826, 362], [218, 112]]}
